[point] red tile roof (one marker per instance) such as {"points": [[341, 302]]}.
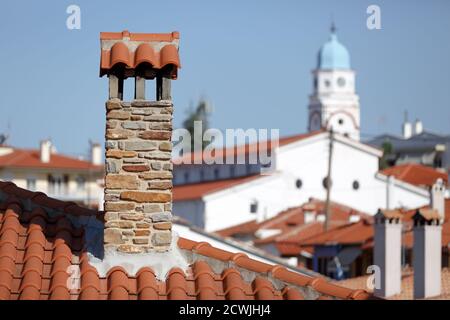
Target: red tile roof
{"points": [[28, 158], [416, 174], [132, 50], [292, 227], [407, 285], [37, 249], [353, 233], [198, 190]]}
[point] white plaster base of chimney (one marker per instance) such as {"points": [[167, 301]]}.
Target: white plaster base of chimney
{"points": [[387, 256], [160, 262], [427, 260]]}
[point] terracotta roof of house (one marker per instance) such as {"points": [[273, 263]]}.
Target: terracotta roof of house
{"points": [[416, 174], [292, 228], [407, 285], [353, 233], [159, 51], [40, 243], [194, 191], [30, 158], [291, 218], [245, 149]]}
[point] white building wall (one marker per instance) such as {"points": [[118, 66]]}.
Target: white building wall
{"points": [[232, 206], [308, 161]]}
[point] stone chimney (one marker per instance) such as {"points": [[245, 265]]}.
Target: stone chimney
{"points": [[96, 154], [427, 254], [387, 251], [138, 183], [437, 198], [45, 151]]}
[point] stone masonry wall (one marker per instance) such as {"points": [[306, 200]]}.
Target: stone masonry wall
{"points": [[138, 183]]}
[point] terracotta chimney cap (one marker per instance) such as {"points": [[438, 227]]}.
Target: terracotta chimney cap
{"points": [[390, 214], [120, 50], [426, 215]]}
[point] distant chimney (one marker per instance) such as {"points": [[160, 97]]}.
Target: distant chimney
{"points": [[407, 130], [427, 254], [418, 127], [390, 193], [407, 127], [138, 183], [45, 151], [387, 251], [96, 154], [437, 198]]}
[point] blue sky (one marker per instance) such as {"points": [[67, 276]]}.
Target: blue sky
{"points": [[251, 59]]}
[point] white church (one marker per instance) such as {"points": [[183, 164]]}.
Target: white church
{"points": [[217, 196]]}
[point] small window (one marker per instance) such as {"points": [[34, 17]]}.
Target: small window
{"points": [[298, 183], [254, 207], [341, 121], [31, 184], [186, 177], [327, 83], [325, 183], [81, 183], [216, 174], [355, 185]]}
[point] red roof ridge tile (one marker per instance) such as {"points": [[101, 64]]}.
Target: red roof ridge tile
{"points": [[276, 271]]}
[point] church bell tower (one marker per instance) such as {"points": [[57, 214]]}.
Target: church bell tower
{"points": [[334, 103]]}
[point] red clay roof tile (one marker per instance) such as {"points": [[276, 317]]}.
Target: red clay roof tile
{"points": [[416, 174]]}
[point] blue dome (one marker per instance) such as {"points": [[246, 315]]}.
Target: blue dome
{"points": [[333, 55]]}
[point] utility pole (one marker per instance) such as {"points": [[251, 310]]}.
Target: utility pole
{"points": [[328, 181]]}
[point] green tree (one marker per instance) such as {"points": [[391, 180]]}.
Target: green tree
{"points": [[387, 151], [199, 113]]}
